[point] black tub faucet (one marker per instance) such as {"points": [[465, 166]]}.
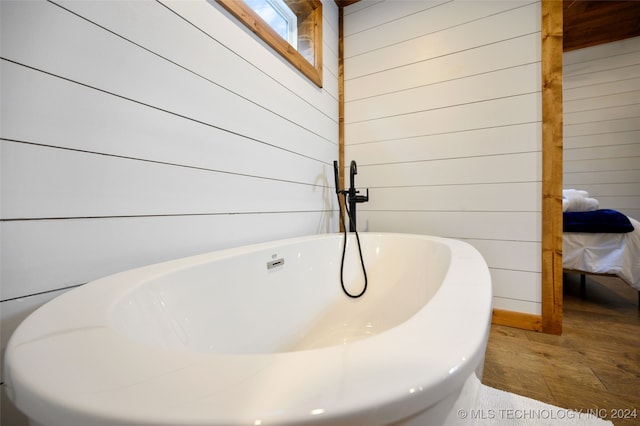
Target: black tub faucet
{"points": [[353, 197]]}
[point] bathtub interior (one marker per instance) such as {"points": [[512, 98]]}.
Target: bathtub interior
{"points": [[235, 304]]}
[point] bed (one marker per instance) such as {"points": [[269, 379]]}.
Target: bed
{"points": [[602, 242]]}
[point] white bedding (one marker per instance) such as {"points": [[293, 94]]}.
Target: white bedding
{"points": [[617, 254]]}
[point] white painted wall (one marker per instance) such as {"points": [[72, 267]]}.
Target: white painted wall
{"points": [[601, 99], [140, 131], [443, 116]]}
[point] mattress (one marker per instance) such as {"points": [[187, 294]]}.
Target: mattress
{"points": [[604, 253]]}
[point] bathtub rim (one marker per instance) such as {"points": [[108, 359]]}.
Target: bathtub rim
{"points": [[467, 353]]}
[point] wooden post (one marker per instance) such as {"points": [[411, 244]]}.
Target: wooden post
{"points": [[552, 166], [341, 103]]}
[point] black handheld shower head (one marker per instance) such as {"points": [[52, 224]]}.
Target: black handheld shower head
{"points": [[336, 176]]}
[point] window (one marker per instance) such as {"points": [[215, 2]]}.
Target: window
{"points": [[291, 27], [279, 17]]}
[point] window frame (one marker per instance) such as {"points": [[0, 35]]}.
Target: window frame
{"points": [[309, 13]]}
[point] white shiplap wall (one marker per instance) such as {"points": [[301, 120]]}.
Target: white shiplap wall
{"points": [[443, 116], [602, 123], [140, 131]]}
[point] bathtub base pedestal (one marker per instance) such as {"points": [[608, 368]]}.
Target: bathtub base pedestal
{"points": [[454, 410]]}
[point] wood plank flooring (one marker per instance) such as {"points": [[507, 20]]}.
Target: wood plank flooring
{"points": [[593, 365]]}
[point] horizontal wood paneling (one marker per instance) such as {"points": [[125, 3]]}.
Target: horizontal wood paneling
{"points": [[44, 183], [518, 138], [517, 306], [606, 151], [621, 125], [389, 24], [69, 252], [602, 123], [462, 197], [606, 113], [596, 64], [627, 97], [600, 51], [330, 30], [53, 29], [72, 116], [374, 13], [517, 80], [486, 28], [599, 140], [590, 95], [482, 114], [237, 38], [137, 132], [465, 63], [508, 226], [608, 178], [509, 255], [623, 203], [518, 285], [605, 76], [486, 169], [601, 165], [443, 118]]}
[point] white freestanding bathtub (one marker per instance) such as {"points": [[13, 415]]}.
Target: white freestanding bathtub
{"points": [[263, 335]]}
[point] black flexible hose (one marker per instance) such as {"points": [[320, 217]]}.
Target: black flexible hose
{"points": [[344, 249]]}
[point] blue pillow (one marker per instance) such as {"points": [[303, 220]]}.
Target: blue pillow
{"points": [[598, 221]]}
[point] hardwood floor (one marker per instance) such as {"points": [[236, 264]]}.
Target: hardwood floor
{"points": [[593, 365]]}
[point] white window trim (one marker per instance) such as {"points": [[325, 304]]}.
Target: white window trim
{"points": [[290, 17]]}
